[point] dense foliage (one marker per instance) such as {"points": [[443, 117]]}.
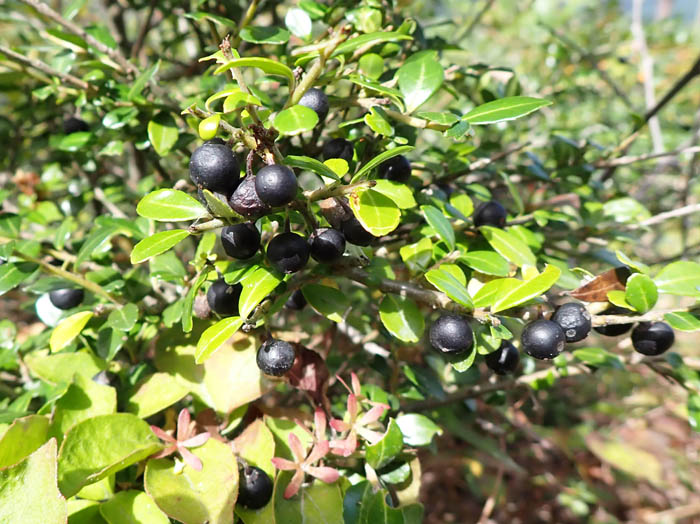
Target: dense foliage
{"points": [[261, 262]]}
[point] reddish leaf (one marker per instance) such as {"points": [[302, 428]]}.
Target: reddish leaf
{"points": [[597, 289], [310, 373]]}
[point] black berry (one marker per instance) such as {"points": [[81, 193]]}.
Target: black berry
{"points": [[356, 234], [254, 488], [74, 124], [327, 245], [216, 140], [275, 357], [504, 360], [288, 252], [276, 185], [245, 200], [318, 101], [214, 167], [296, 301], [652, 338], [223, 298], [240, 241], [451, 334], [66, 298], [543, 339], [574, 319], [490, 214], [338, 148], [397, 168], [614, 330]]}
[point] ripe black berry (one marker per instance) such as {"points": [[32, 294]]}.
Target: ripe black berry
{"points": [[296, 301], [74, 124], [338, 148], [66, 298], [451, 334], [490, 214], [245, 200], [288, 252], [254, 488], [356, 234], [214, 167], [397, 168], [275, 357], [652, 338], [504, 360], [240, 241], [574, 319], [327, 245], [614, 330], [318, 101], [276, 185], [543, 339], [223, 298]]}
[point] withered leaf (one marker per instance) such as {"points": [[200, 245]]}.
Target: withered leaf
{"points": [[597, 289]]}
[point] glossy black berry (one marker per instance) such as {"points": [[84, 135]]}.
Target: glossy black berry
{"points": [[543, 339], [296, 301], [338, 148], [652, 338], [614, 330], [276, 185], [240, 241], [245, 200], [397, 168], [275, 357], [66, 298], [318, 101], [504, 360], [74, 124], [288, 252], [327, 245], [356, 234], [254, 488], [214, 167], [490, 214], [451, 334], [223, 298], [574, 319], [216, 140]]}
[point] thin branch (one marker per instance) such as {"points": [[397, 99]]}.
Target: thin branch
{"points": [[145, 28], [334, 190], [476, 20], [484, 162], [627, 160], [661, 217]]}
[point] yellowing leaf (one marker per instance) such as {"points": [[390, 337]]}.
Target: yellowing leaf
{"points": [[68, 329]]}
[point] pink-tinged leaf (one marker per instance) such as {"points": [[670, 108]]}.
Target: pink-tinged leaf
{"points": [[302, 426], [339, 425], [165, 452], [373, 414], [319, 451], [294, 484], [191, 459], [345, 447], [324, 473], [183, 424], [339, 379], [320, 423], [162, 435], [370, 436], [196, 441], [296, 447], [352, 407], [284, 464], [355, 384]]}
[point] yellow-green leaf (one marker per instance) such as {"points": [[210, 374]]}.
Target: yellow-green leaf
{"points": [[69, 328]]}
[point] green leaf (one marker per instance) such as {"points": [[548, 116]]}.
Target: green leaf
{"points": [[625, 209], [298, 22], [12, 275], [28, 491], [256, 445], [509, 246], [443, 118], [402, 318], [528, 290], [311, 164], [162, 133], [634, 461], [617, 298], [215, 336], [265, 35], [170, 205], [157, 244], [75, 141], [503, 109], [641, 292], [328, 301], [490, 292], [417, 430], [214, 488], [417, 256], [318, 503], [203, 15], [366, 40], [440, 224], [62, 367], [386, 155], [399, 193], [683, 321], [101, 446], [218, 207], [361, 505], [235, 98], [392, 94], [155, 393], [271, 67], [256, 287], [451, 286], [693, 406], [420, 78], [679, 278], [378, 122], [377, 213], [598, 357], [189, 301], [384, 451], [123, 318], [69, 328], [487, 262], [371, 65], [142, 80], [295, 120], [132, 507], [23, 437]]}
